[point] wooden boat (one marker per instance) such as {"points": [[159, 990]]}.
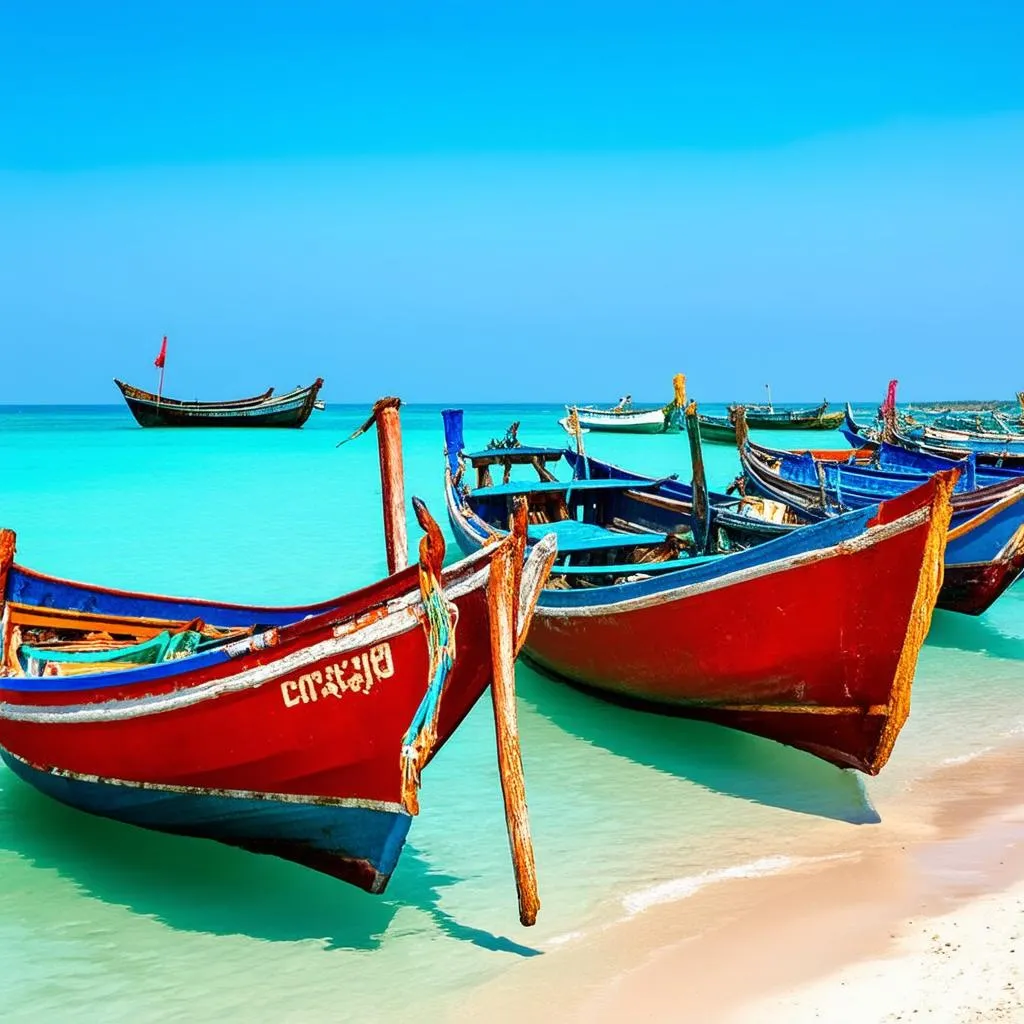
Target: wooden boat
{"points": [[980, 416], [722, 429], [985, 550], [718, 429], [767, 417], [810, 639], [861, 436], [298, 731], [625, 419], [266, 410]]}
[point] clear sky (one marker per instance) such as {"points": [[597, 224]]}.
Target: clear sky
{"points": [[532, 201]]}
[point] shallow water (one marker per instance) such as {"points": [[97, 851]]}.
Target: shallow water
{"points": [[103, 921]]}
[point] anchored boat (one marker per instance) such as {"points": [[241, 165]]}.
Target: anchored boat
{"points": [[624, 418], [298, 731], [809, 639], [266, 410]]}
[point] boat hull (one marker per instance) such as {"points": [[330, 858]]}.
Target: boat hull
{"points": [[645, 421], [762, 418], [766, 654], [713, 428], [359, 845]]}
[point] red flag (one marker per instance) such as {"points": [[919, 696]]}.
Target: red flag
{"points": [[162, 358], [889, 405]]}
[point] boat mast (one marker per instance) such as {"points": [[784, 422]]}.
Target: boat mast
{"points": [[159, 364], [768, 388]]}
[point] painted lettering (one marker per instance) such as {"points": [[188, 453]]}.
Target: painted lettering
{"points": [[357, 674]]}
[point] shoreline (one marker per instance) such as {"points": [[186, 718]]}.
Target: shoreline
{"points": [[790, 938]]}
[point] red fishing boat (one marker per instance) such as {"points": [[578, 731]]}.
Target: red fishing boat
{"points": [[810, 639], [301, 731]]}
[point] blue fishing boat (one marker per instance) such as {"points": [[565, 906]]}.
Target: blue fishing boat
{"points": [[1004, 451], [985, 548]]}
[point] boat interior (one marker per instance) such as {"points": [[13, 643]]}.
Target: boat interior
{"points": [[608, 531], [40, 642]]}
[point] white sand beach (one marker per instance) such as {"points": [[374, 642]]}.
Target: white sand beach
{"points": [[919, 918]]}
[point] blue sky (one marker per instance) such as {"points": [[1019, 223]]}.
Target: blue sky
{"points": [[466, 201]]}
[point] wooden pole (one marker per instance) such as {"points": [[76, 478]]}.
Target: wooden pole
{"points": [[701, 505], [392, 482], [502, 598], [7, 545]]}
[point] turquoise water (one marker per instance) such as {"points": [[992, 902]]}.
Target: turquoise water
{"points": [[100, 921]]}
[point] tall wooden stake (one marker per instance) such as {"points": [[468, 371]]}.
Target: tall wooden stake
{"points": [[7, 544], [392, 482], [502, 600], [701, 505], [384, 415]]}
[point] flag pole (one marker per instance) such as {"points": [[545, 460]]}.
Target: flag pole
{"points": [[160, 361]]}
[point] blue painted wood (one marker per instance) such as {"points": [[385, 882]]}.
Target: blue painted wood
{"points": [[46, 592], [307, 830], [516, 487], [574, 536]]}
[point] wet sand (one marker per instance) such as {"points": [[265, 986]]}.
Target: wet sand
{"points": [[919, 917]]}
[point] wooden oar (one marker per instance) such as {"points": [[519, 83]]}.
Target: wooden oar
{"points": [[502, 600]]}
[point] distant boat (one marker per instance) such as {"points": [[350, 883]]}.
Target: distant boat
{"points": [[623, 418], [266, 410], [767, 417], [1006, 451]]}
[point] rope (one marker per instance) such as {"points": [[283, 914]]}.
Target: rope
{"points": [[439, 622]]}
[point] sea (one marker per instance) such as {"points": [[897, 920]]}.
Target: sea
{"points": [[105, 922]]}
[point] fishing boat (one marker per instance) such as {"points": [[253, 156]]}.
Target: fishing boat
{"points": [[979, 416], [266, 410], [861, 436], [717, 429], [809, 639], [625, 418], [985, 549], [767, 417], [298, 731]]}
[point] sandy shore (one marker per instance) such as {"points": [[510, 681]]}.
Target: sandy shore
{"points": [[918, 918]]}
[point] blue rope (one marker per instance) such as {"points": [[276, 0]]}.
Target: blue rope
{"points": [[422, 733]]}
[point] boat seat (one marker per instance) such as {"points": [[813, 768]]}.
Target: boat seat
{"points": [[574, 536]]}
